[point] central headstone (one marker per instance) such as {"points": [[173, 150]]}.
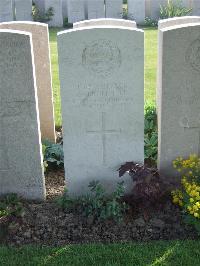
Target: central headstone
{"points": [[40, 37], [23, 10], [21, 169], [102, 92]]}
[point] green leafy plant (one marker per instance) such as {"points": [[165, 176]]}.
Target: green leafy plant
{"points": [[97, 203], [103, 207], [40, 17], [66, 24], [150, 135], [65, 202], [149, 22], [11, 205], [53, 154], [173, 9]]}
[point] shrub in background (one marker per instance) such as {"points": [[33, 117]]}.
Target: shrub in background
{"points": [[39, 17], [174, 8]]}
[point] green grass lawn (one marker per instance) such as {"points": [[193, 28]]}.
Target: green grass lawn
{"points": [[186, 253], [150, 69]]}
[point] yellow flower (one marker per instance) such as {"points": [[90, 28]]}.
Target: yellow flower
{"points": [[191, 200]]}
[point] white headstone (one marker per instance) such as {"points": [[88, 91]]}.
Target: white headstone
{"points": [[114, 8], [21, 169], [105, 22], [6, 10], [178, 101], [40, 38], [23, 10], [164, 23], [57, 19], [103, 113], [76, 10], [136, 10], [196, 7], [96, 9]]}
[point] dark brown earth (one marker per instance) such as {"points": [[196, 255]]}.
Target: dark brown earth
{"points": [[44, 223]]}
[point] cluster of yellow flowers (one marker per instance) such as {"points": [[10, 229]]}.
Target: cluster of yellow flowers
{"points": [[177, 197], [189, 197], [191, 165]]}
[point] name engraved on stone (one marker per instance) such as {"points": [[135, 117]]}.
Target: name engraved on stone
{"points": [[104, 94], [193, 55], [104, 132], [101, 57]]}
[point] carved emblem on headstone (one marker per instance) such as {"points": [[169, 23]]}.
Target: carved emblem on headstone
{"points": [[193, 55], [101, 57]]}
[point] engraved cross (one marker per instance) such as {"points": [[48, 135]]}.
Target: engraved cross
{"points": [[103, 132]]}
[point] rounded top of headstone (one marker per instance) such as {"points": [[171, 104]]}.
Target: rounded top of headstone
{"points": [[104, 27], [163, 23], [105, 21], [32, 23]]}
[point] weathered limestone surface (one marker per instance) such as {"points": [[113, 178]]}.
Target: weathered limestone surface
{"points": [[23, 10], [136, 11], [103, 114], [76, 10], [40, 36], [21, 166], [6, 10], [177, 21], [95, 9], [114, 8], [178, 94]]}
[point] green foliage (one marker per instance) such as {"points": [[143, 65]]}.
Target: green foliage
{"points": [[173, 9], [151, 134], [97, 204], [53, 154], [103, 207], [66, 24], [64, 202], [194, 222], [149, 22], [38, 16], [11, 206], [125, 13]]}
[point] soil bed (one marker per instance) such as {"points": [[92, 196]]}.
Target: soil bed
{"points": [[44, 223]]}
